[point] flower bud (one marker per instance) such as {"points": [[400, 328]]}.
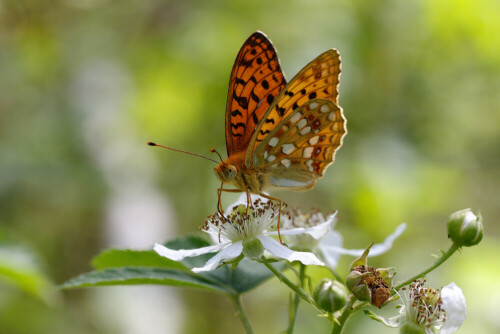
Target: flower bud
{"points": [[465, 228], [330, 295], [362, 292], [252, 248]]}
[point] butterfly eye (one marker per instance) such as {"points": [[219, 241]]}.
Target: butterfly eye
{"points": [[230, 172]]}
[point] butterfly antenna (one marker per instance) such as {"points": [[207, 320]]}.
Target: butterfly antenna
{"points": [[214, 151], [173, 149]]}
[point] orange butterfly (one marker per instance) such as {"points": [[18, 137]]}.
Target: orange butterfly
{"points": [[280, 135]]}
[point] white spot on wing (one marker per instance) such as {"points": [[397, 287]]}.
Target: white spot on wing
{"points": [[330, 116], [305, 130], [307, 152], [309, 164], [324, 108], [286, 163], [288, 148], [265, 154], [295, 117], [314, 140], [271, 158], [273, 142], [302, 123], [313, 105]]}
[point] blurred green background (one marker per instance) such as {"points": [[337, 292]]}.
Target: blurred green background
{"points": [[85, 83]]}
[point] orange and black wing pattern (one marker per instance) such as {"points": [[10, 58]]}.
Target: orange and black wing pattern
{"points": [[256, 80]]}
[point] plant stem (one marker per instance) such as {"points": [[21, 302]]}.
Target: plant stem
{"points": [[436, 264], [296, 301], [338, 326], [241, 313], [301, 293]]}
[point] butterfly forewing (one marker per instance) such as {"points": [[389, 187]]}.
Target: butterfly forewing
{"points": [[298, 150], [256, 80]]}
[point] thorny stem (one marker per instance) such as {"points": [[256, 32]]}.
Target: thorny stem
{"points": [[241, 313], [338, 324], [298, 290], [436, 264], [296, 301]]}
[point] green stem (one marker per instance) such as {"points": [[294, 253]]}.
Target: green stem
{"points": [[436, 264], [241, 313], [301, 293], [296, 301], [338, 324]]}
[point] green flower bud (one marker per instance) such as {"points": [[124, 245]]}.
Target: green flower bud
{"points": [[411, 328], [353, 279], [331, 296], [362, 292], [465, 228], [252, 248]]}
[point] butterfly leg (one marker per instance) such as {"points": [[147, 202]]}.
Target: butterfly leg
{"points": [[219, 204], [219, 194], [279, 212], [249, 200]]}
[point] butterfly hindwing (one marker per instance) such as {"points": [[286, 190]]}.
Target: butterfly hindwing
{"points": [[256, 79], [299, 149], [317, 80]]}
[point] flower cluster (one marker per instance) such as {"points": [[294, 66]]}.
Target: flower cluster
{"points": [[240, 227]]}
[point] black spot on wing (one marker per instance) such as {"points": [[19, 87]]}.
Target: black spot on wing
{"points": [[236, 112], [237, 125], [281, 111], [242, 101], [254, 97], [270, 98], [239, 81], [254, 118]]}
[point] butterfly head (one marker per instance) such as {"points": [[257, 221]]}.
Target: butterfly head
{"points": [[226, 172]]}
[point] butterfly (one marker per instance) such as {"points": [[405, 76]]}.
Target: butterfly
{"points": [[279, 135]]}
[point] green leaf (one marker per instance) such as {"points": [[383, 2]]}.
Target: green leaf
{"points": [[20, 269], [126, 267], [115, 258], [143, 275]]}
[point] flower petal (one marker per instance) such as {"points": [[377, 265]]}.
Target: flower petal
{"points": [[330, 246], [277, 249], [454, 305], [377, 249], [180, 254], [317, 232], [227, 253], [392, 322]]}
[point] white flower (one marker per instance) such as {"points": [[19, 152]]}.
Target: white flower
{"points": [[426, 310], [327, 242], [235, 227], [433, 311]]}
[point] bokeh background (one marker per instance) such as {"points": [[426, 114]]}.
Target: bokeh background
{"points": [[85, 83]]}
